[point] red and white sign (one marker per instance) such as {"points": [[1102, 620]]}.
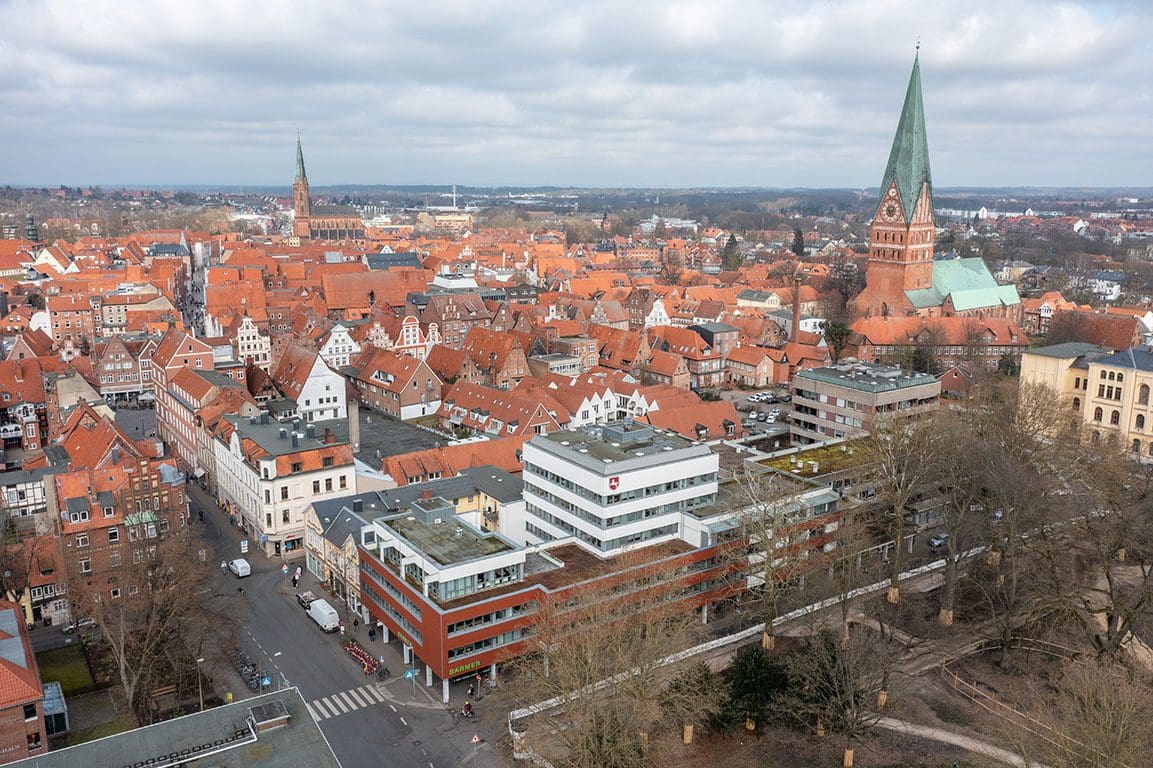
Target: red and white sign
{"points": [[614, 483]]}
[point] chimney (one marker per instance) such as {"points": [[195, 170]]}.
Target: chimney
{"points": [[310, 431], [283, 433], [358, 504], [295, 439], [426, 493], [264, 417], [796, 329]]}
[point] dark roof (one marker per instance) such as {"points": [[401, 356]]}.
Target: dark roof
{"points": [[393, 260], [1068, 350], [1137, 358], [221, 736]]}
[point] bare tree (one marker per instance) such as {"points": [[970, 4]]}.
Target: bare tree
{"points": [[780, 548], [155, 609], [618, 629], [1098, 717], [906, 453]]}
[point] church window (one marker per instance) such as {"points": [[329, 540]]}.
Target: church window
{"points": [[1076, 403], [1115, 418], [1097, 414], [1140, 424], [1143, 394], [1120, 377]]}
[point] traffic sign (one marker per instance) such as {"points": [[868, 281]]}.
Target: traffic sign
{"points": [[244, 546], [409, 674]]}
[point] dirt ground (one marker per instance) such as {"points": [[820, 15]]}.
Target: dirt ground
{"points": [[782, 748]]}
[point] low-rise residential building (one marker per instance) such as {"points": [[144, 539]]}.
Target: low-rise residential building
{"points": [[478, 410], [750, 367], [269, 473], [337, 347], [705, 364], [316, 391], [103, 512], [846, 399], [22, 730], [402, 386]]}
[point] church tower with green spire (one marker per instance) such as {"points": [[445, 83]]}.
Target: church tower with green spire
{"points": [[902, 233], [302, 208]]}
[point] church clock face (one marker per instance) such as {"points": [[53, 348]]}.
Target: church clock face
{"points": [[889, 211]]}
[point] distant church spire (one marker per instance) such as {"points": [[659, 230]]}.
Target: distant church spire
{"points": [[300, 174], [908, 165]]}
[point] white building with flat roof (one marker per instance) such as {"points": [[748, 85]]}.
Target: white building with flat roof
{"points": [[614, 487]]}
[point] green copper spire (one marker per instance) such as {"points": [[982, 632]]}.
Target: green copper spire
{"points": [[909, 158], [300, 174]]}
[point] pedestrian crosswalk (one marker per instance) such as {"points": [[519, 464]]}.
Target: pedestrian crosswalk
{"points": [[344, 702]]}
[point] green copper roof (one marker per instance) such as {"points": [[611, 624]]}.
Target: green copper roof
{"points": [[968, 282], [909, 158], [300, 174]]}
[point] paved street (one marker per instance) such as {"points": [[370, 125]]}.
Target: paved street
{"points": [[366, 721]]}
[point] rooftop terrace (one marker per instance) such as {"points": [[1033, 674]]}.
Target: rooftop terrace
{"points": [[829, 459], [448, 542]]}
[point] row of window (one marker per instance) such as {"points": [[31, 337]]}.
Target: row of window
{"points": [[378, 600], [410, 606], [604, 545], [504, 638], [623, 496], [467, 625]]}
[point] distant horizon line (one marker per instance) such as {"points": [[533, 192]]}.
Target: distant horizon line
{"points": [[447, 187]]}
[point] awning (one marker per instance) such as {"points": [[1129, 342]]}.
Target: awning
{"points": [[146, 397], [198, 473]]}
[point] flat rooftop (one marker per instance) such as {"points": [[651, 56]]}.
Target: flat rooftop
{"points": [[268, 435], [829, 459], [598, 448], [866, 377], [449, 542], [215, 738]]}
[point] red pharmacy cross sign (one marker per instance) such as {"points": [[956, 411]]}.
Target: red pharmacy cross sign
{"points": [[614, 483]]}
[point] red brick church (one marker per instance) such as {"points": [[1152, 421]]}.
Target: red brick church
{"points": [[902, 277]]}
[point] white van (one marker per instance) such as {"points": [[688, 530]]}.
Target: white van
{"points": [[324, 615], [240, 567]]}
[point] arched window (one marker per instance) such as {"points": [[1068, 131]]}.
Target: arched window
{"points": [[1120, 377], [1097, 414], [1143, 394], [1112, 376], [1115, 418], [1096, 437], [1076, 403], [1140, 421], [1136, 446]]}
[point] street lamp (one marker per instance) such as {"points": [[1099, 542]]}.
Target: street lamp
{"points": [[199, 685]]}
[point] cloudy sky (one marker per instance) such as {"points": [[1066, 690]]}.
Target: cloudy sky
{"points": [[615, 92]]}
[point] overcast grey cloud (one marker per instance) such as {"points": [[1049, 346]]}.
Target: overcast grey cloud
{"points": [[631, 93]]}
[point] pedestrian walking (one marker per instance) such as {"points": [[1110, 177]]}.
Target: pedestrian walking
{"points": [[471, 693], [223, 565], [356, 623], [342, 629]]}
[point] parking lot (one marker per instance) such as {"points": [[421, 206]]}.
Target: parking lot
{"points": [[756, 416]]}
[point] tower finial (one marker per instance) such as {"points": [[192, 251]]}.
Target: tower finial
{"points": [[918, 47], [300, 174]]}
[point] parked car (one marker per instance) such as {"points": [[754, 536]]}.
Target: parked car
{"points": [[305, 599], [240, 567], [78, 625], [938, 540], [775, 412], [754, 398], [761, 416]]}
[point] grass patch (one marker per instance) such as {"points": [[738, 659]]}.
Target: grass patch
{"points": [[67, 666], [121, 724]]}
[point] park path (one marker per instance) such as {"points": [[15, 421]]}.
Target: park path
{"points": [[957, 740]]}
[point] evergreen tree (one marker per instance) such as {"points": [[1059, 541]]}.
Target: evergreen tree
{"points": [[730, 255], [798, 246]]}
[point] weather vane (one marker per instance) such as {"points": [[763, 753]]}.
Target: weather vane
{"points": [[918, 43]]}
